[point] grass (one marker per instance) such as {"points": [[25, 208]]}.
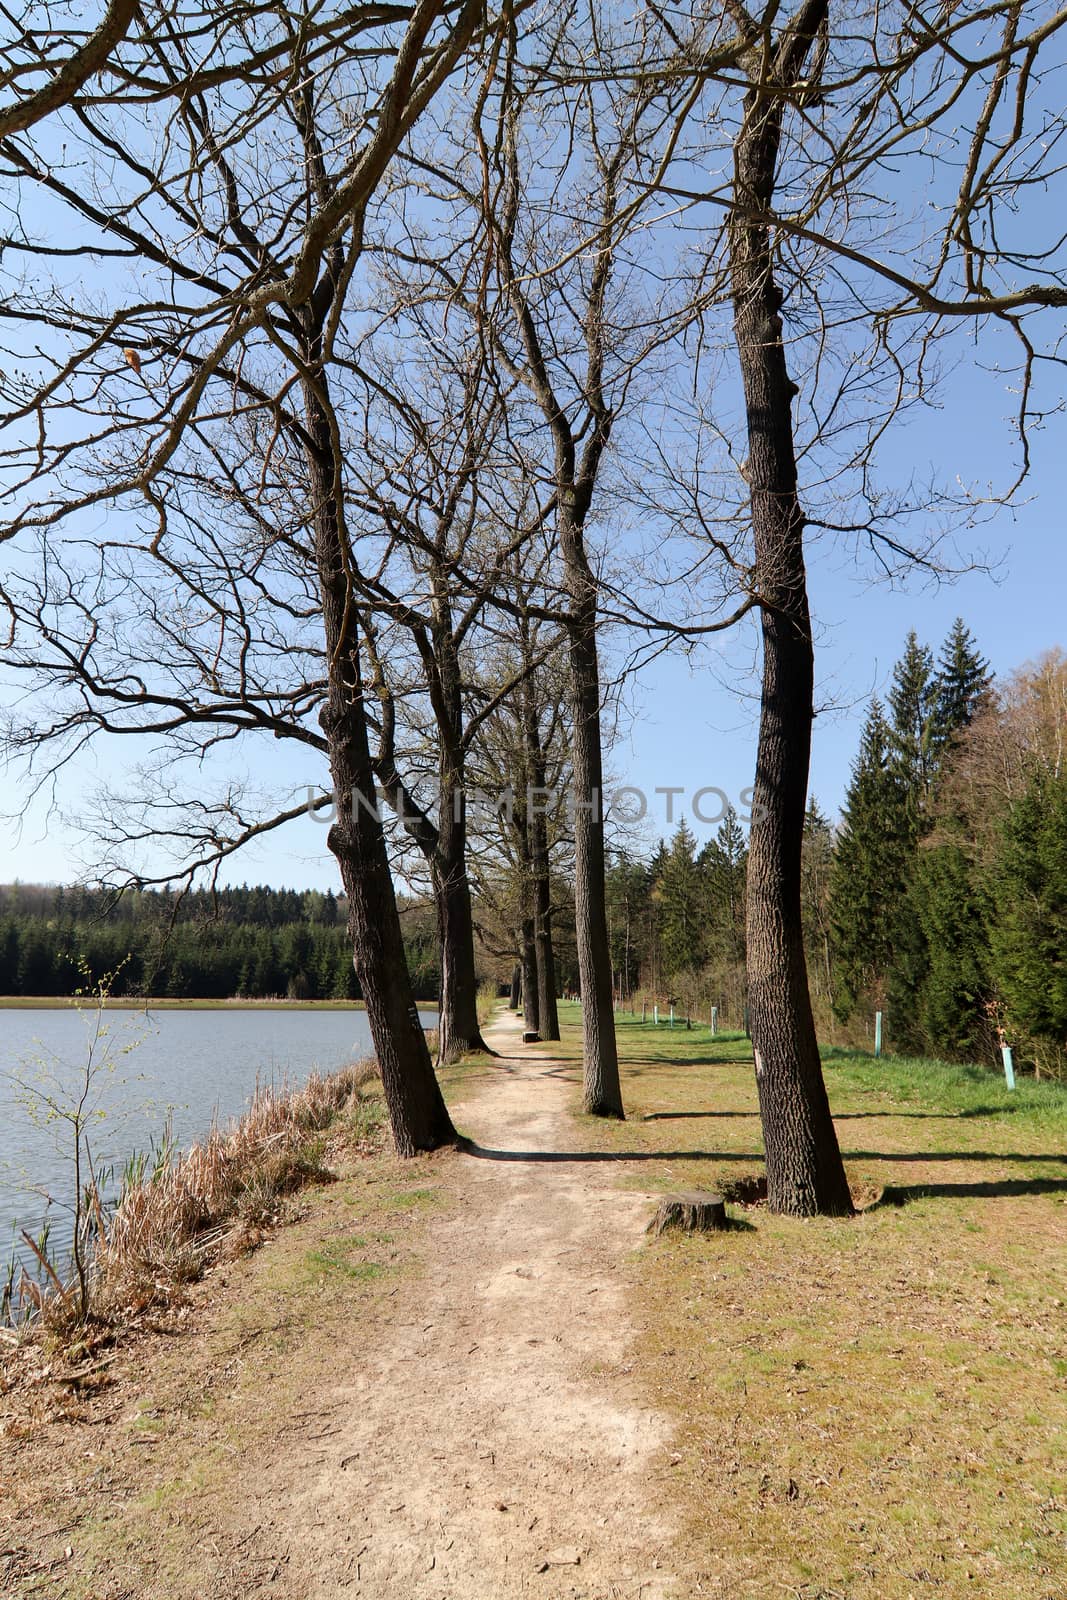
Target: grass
{"points": [[872, 1409]]}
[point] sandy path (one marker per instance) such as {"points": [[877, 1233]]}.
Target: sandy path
{"points": [[491, 1429]]}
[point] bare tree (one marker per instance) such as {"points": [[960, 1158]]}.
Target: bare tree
{"points": [[249, 211], [31, 55], [805, 1173]]}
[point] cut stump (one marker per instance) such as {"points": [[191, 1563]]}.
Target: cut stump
{"points": [[694, 1212]]}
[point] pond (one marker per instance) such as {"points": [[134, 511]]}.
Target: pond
{"points": [[151, 1071]]}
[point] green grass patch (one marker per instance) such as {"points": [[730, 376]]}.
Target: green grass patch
{"points": [[410, 1199], [872, 1407]]}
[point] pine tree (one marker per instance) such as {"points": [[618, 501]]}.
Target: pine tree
{"points": [[913, 733], [1028, 932], [816, 869], [869, 871], [722, 865], [962, 682], [944, 1014], [627, 898], [935, 981], [681, 909]]}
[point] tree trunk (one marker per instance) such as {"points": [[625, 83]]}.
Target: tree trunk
{"points": [[602, 1090], [530, 998], [460, 1031], [537, 839], [547, 1013], [805, 1174], [516, 986], [695, 1211], [417, 1113]]}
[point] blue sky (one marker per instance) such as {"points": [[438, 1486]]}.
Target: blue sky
{"points": [[687, 723], [690, 722]]}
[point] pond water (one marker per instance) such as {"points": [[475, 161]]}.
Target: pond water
{"points": [[151, 1070]]}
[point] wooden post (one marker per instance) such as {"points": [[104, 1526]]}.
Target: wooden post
{"points": [[877, 1034], [1009, 1066]]}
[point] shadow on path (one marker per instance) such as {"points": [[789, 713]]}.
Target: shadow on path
{"points": [[481, 1152]]}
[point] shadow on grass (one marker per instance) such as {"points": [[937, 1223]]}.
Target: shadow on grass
{"points": [[650, 1059], [902, 1194], [1034, 1157], [487, 1153], [839, 1116]]}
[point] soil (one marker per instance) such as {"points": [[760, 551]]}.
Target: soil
{"points": [[474, 1433]]}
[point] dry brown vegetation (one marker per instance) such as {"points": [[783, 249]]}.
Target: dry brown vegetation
{"points": [[193, 1207]]}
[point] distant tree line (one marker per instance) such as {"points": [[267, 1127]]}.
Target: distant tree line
{"points": [[251, 943], [940, 899]]}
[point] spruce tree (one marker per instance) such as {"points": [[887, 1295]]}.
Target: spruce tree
{"points": [[816, 868], [722, 865], [1028, 932], [962, 682], [946, 1014], [681, 910], [869, 872], [913, 734]]}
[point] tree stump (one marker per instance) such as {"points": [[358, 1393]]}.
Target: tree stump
{"points": [[530, 1038], [693, 1212]]}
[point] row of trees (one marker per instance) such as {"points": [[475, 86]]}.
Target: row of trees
{"points": [[256, 943], [940, 899], [399, 365]]}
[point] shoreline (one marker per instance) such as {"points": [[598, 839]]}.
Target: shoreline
{"points": [[59, 1002]]}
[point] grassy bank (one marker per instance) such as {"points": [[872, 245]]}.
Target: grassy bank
{"points": [[872, 1408], [188, 1209]]}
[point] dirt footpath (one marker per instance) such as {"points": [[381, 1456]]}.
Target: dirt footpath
{"points": [[456, 1418], [491, 1446]]}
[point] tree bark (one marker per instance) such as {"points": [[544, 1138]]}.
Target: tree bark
{"points": [[530, 998], [805, 1173], [417, 1113], [460, 1030], [537, 825], [547, 1013], [602, 1096], [694, 1211], [516, 987]]}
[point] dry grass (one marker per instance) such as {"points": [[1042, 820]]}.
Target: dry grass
{"points": [[209, 1202], [873, 1409]]}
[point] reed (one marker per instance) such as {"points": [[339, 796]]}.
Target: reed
{"points": [[189, 1208]]}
